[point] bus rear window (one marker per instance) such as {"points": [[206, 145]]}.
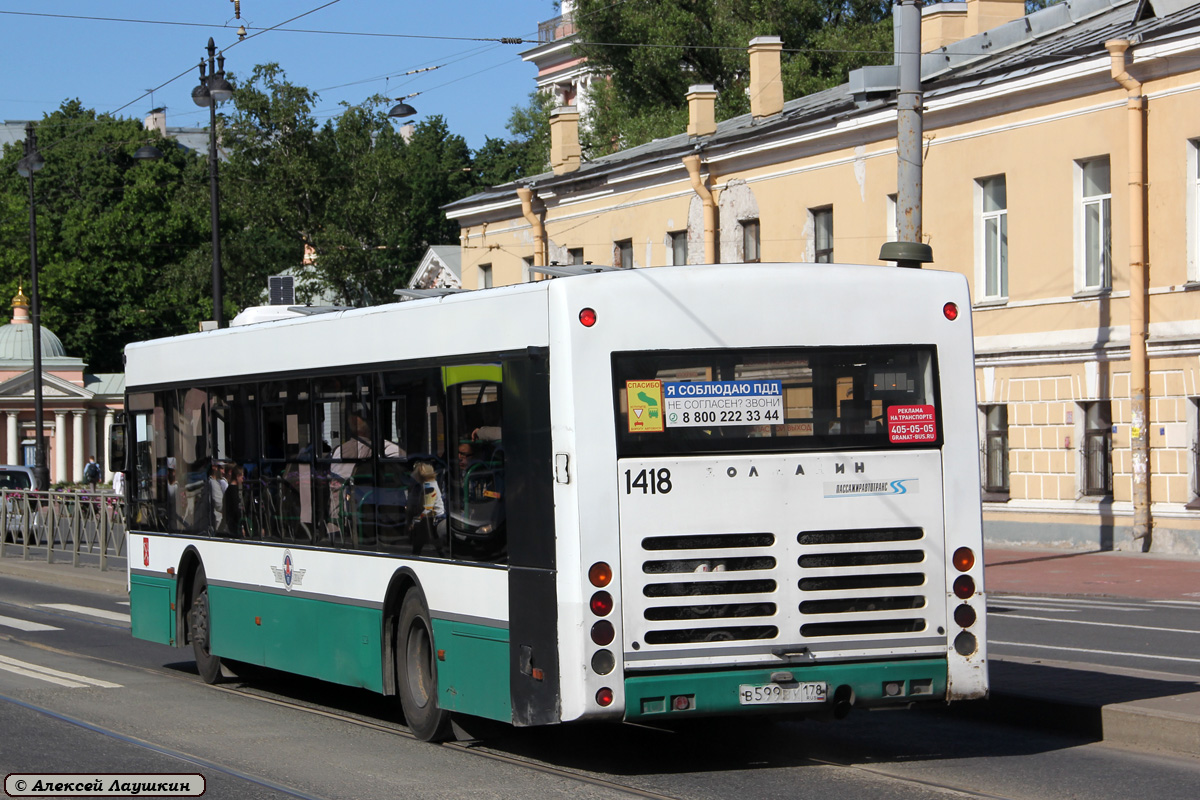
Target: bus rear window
{"points": [[777, 399]]}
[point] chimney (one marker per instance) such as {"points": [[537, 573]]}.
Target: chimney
{"points": [[983, 15], [156, 120], [943, 24], [564, 140], [766, 78], [702, 110]]}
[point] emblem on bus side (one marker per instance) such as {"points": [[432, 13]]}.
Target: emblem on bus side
{"points": [[288, 574]]}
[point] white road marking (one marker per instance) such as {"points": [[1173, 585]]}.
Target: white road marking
{"points": [[25, 625], [1065, 602], [1101, 624], [68, 679], [1096, 652], [1027, 607], [116, 616]]}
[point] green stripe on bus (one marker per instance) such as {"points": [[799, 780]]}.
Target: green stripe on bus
{"points": [[151, 608], [331, 641], [714, 693], [473, 669]]}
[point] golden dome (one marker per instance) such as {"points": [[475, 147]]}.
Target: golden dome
{"points": [[20, 299]]}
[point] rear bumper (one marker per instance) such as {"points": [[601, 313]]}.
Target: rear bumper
{"points": [[873, 684]]}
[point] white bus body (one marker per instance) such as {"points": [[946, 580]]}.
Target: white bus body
{"points": [[786, 577]]}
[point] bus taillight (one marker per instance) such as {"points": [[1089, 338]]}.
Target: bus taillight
{"points": [[604, 697], [587, 317], [964, 616], [964, 559], [603, 633], [964, 587], [602, 604], [600, 574], [951, 311]]}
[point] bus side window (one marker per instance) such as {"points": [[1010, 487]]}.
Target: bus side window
{"points": [[476, 484]]}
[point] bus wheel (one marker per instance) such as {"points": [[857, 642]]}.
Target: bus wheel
{"points": [[200, 628], [416, 672]]}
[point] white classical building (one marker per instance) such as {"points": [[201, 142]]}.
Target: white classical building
{"points": [[78, 408]]}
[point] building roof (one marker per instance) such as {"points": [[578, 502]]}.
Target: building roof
{"points": [[1060, 35]]}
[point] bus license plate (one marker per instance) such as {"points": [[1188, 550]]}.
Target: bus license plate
{"points": [[774, 693]]}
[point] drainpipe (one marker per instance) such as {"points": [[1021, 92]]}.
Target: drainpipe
{"points": [[539, 230], [1139, 435], [692, 164]]}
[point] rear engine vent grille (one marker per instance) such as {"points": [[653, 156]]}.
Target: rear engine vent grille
{"points": [[733, 572], [715, 541], [726, 634], [861, 536]]}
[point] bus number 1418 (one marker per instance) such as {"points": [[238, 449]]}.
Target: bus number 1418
{"points": [[652, 481]]}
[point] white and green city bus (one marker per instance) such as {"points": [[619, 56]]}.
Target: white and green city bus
{"points": [[667, 493]]}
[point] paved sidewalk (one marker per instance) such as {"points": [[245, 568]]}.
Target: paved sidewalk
{"points": [[1139, 709]]}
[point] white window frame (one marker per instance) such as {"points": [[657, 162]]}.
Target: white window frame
{"points": [[1082, 205], [751, 241], [1192, 224], [986, 288], [485, 277], [674, 238], [891, 225], [815, 251], [620, 249]]}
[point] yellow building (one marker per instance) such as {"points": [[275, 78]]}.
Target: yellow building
{"points": [[1036, 185]]}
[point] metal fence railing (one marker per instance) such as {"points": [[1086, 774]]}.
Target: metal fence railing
{"points": [[88, 525]]}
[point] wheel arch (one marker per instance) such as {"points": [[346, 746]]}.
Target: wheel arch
{"points": [[403, 580], [189, 564]]}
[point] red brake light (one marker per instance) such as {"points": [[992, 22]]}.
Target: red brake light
{"points": [[603, 633], [587, 317], [964, 586], [604, 697], [600, 574], [602, 604], [951, 311], [964, 616], [964, 559]]}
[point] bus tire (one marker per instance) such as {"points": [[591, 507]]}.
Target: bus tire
{"points": [[416, 672], [200, 630]]}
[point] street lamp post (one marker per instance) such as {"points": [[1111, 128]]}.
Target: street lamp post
{"points": [[212, 91], [28, 164]]}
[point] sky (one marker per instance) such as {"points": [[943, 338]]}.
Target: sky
{"points": [[110, 53]]}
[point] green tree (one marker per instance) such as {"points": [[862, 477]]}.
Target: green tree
{"points": [[117, 239], [272, 185], [652, 50], [526, 153]]}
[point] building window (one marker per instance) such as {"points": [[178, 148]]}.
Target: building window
{"points": [[750, 241], [679, 250], [822, 225], [995, 452], [1097, 448], [890, 222], [1193, 423], [623, 254], [575, 256], [1095, 243], [1193, 211], [485, 276], [993, 236]]}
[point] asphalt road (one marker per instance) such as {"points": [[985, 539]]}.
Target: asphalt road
{"points": [[1157, 635]]}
